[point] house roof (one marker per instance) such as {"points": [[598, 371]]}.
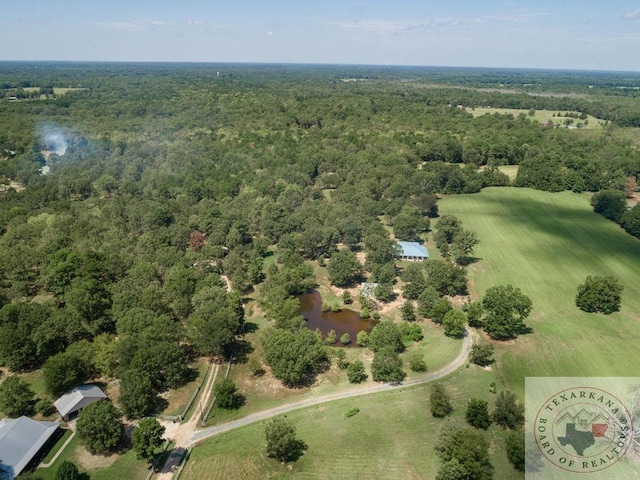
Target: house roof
{"points": [[77, 398], [413, 249], [20, 440]]}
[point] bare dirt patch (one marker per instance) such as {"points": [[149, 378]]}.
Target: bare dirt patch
{"points": [[88, 461], [18, 187]]}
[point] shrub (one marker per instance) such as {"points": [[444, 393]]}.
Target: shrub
{"points": [[355, 372], [362, 338], [346, 297], [255, 367], [67, 471], [411, 332], [45, 407], [477, 414], [417, 363], [227, 395], [341, 358], [332, 337], [440, 403], [351, 412], [482, 354], [345, 339]]}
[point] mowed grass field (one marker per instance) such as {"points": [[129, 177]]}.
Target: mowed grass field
{"points": [[392, 437], [541, 116], [546, 244]]}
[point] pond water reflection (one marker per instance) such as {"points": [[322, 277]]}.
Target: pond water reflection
{"points": [[344, 321]]}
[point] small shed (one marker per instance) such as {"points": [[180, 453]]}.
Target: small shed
{"points": [[413, 251], [72, 402], [368, 290], [20, 441]]}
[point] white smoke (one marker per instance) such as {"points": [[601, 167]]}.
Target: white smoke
{"points": [[54, 140]]}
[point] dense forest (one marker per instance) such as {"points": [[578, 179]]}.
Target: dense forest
{"points": [[163, 181]]}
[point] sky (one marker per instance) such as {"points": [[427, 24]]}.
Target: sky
{"points": [[559, 34]]}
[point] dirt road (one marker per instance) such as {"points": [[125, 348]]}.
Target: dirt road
{"points": [[181, 433]]}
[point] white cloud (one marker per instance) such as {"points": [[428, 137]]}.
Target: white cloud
{"points": [[160, 23], [380, 26], [633, 15], [122, 26], [515, 17]]}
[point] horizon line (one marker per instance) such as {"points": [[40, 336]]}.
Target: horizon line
{"points": [[319, 64]]}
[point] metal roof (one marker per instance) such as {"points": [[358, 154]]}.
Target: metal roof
{"points": [[413, 249], [20, 440], [78, 398]]}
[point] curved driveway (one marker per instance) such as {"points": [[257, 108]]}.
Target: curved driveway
{"points": [[458, 362]]}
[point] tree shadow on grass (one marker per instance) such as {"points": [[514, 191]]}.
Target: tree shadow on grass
{"points": [[241, 351], [250, 327]]}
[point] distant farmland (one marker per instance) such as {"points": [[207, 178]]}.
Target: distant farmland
{"points": [[543, 116]]}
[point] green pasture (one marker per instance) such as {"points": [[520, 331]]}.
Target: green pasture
{"points": [[391, 437], [541, 116], [546, 244]]}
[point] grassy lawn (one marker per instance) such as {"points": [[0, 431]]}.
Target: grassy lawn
{"points": [[97, 466], [541, 116], [510, 171], [65, 434], [391, 437], [546, 244]]}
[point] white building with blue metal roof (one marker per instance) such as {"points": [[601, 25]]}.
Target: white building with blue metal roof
{"points": [[413, 251]]}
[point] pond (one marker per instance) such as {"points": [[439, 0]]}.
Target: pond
{"points": [[344, 321]]}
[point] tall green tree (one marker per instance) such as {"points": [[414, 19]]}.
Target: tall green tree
{"points": [[465, 453], [508, 412], [147, 439], [610, 204], [386, 335], [216, 320], [599, 294], [282, 443], [16, 397], [294, 356], [453, 323], [515, 443], [100, 428], [387, 366], [506, 309], [137, 395], [62, 372], [344, 268]]}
